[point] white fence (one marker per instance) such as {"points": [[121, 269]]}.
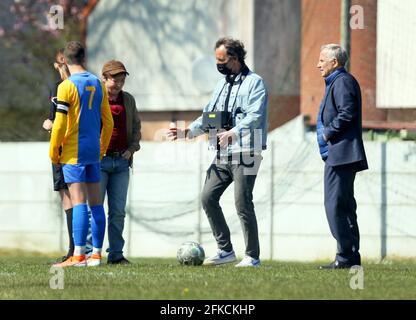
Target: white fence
{"points": [[164, 200]]}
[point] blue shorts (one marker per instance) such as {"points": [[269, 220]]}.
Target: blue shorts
{"points": [[81, 172]]}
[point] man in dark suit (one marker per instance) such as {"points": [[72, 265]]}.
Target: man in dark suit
{"points": [[339, 134]]}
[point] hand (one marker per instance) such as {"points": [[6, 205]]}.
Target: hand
{"points": [[226, 138], [47, 125], [126, 155], [174, 133]]}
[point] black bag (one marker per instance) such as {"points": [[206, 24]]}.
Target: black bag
{"points": [[216, 120]]}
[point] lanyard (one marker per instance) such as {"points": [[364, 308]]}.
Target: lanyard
{"points": [[230, 86]]}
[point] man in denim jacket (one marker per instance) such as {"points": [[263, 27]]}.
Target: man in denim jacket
{"points": [[242, 93]]}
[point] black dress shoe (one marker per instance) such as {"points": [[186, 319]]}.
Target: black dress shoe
{"points": [[64, 258], [119, 261], [61, 259], [336, 265]]}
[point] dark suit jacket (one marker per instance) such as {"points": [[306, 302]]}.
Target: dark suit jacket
{"points": [[342, 120]]}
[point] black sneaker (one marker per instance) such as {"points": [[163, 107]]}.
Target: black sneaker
{"points": [[119, 261], [64, 258], [336, 265]]}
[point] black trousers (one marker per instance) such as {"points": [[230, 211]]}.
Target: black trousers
{"points": [[341, 211]]}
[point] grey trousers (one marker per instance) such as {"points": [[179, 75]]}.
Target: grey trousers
{"points": [[219, 176]]}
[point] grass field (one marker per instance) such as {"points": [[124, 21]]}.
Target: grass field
{"points": [[27, 276]]}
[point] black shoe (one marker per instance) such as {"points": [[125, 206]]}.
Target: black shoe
{"points": [[336, 265], [61, 259], [119, 261], [64, 258]]}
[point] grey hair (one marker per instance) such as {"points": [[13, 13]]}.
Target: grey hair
{"points": [[335, 51]]}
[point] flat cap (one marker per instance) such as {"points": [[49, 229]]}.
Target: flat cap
{"points": [[113, 67]]}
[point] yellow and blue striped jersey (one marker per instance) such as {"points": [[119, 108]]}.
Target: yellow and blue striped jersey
{"points": [[83, 123]]}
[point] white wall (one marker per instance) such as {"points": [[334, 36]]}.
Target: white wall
{"points": [[167, 46], [396, 49], [164, 201]]}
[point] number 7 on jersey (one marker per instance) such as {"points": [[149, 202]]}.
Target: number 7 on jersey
{"points": [[92, 89]]}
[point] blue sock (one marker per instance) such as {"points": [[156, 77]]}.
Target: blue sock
{"points": [[97, 226], [88, 248], [80, 224]]}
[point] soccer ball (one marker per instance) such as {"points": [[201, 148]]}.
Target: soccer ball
{"points": [[190, 253]]}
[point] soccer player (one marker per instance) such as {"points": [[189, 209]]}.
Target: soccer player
{"points": [[83, 126], [58, 176]]}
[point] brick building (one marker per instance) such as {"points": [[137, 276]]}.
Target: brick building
{"points": [[172, 74], [321, 25]]}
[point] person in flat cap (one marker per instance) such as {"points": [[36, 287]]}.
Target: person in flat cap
{"points": [[116, 164]]}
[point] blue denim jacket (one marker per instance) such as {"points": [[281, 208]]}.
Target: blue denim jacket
{"points": [[248, 103]]}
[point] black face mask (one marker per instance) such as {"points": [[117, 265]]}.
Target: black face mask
{"points": [[222, 68]]}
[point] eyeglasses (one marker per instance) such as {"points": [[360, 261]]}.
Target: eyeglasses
{"points": [[118, 81]]}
